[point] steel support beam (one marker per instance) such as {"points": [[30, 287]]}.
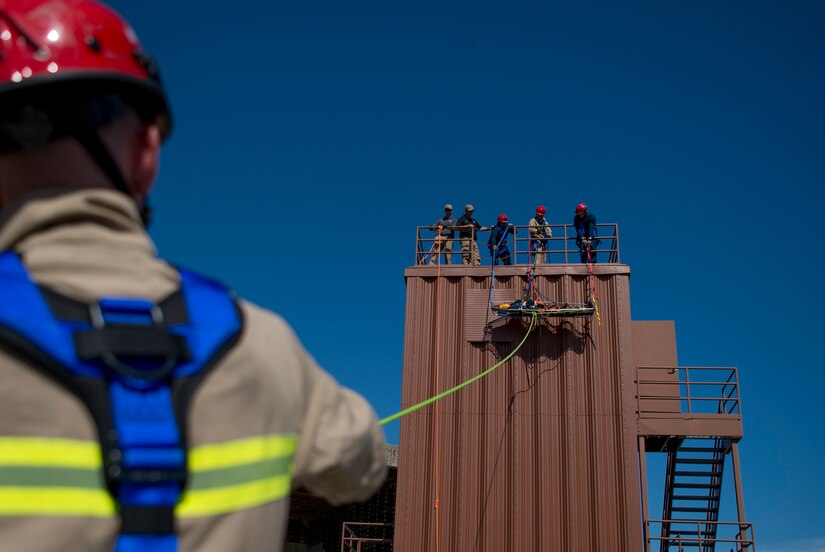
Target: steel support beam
{"points": [[643, 480], [740, 499]]}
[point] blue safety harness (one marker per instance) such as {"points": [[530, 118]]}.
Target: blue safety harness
{"points": [[501, 251], [135, 364]]}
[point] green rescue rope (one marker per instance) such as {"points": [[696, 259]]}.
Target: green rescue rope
{"points": [[443, 394]]}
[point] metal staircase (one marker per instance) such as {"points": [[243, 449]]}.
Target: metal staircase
{"points": [[693, 415], [694, 484]]}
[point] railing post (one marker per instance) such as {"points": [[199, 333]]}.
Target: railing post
{"points": [[738, 398], [471, 249], [687, 388], [417, 246]]}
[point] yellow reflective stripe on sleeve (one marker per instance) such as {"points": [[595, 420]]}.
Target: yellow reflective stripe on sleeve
{"points": [[43, 451], [265, 462], [55, 501], [242, 451], [223, 500]]}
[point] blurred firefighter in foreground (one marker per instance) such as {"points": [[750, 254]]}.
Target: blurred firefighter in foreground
{"points": [[142, 407]]}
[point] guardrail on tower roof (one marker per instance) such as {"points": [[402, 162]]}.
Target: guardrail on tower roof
{"points": [[561, 248]]}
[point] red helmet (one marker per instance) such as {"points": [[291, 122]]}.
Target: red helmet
{"points": [[502, 218], [581, 208], [541, 210], [51, 47]]}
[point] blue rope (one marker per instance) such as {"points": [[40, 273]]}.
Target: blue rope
{"points": [[495, 258]]}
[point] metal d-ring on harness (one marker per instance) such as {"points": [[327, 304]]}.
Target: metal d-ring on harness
{"points": [[171, 347], [135, 365]]}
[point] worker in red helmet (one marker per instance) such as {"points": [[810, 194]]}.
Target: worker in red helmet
{"points": [[540, 233], [497, 244], [142, 407], [586, 233]]}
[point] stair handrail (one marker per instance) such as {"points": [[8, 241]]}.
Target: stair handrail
{"points": [[744, 539], [730, 387], [714, 500], [667, 503], [344, 539]]}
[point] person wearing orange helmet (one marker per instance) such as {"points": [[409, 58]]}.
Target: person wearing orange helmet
{"points": [[497, 244], [586, 233], [540, 233], [142, 407]]}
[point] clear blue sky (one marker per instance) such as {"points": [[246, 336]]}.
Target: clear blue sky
{"points": [[699, 127]]}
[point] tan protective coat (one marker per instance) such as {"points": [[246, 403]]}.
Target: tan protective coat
{"points": [[91, 243]]}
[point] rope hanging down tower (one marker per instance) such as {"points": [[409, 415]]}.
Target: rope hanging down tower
{"points": [[533, 304]]}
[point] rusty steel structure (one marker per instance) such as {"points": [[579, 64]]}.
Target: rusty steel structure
{"points": [[549, 452]]}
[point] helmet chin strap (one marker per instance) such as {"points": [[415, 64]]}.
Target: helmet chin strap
{"points": [[90, 140]]}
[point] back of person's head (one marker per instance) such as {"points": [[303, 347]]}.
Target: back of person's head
{"points": [[69, 68]]}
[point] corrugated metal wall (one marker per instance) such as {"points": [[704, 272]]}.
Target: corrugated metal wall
{"points": [[540, 455]]}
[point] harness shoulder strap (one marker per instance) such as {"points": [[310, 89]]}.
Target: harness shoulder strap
{"points": [[135, 364]]}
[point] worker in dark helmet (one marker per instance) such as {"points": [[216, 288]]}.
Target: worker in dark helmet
{"points": [[540, 233], [142, 407], [497, 244], [444, 234], [468, 229], [586, 233]]}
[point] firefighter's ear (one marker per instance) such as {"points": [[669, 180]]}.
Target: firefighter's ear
{"points": [[147, 159]]}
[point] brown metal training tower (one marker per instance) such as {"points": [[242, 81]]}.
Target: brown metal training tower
{"points": [[549, 452]]}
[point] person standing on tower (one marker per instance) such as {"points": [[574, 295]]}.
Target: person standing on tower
{"points": [[468, 229], [540, 233], [497, 244], [444, 237], [586, 233]]}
